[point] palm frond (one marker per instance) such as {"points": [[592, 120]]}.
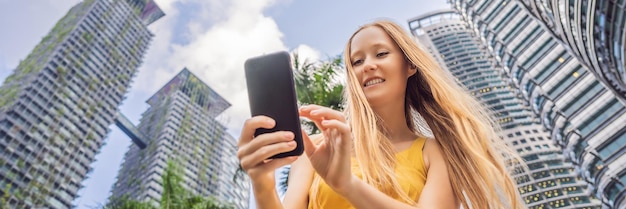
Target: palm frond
{"points": [[316, 83]]}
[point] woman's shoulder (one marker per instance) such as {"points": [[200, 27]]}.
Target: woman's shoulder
{"points": [[431, 149], [430, 143], [423, 143]]}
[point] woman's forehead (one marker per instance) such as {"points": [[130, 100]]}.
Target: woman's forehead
{"points": [[368, 37]]}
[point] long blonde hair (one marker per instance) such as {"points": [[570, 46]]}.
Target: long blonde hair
{"points": [[464, 129]]}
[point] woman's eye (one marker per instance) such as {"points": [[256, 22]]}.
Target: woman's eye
{"points": [[380, 54], [357, 62]]}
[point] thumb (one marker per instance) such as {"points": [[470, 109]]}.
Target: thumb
{"points": [[309, 147]]}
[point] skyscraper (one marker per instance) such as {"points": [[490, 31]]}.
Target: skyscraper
{"points": [[550, 181], [56, 107], [584, 118], [180, 125], [593, 31]]}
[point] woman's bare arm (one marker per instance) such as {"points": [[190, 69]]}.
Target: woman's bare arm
{"points": [[296, 197], [253, 152], [437, 192], [300, 179], [266, 198]]}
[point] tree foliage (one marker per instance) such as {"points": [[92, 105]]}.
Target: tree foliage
{"points": [[174, 195], [317, 83]]}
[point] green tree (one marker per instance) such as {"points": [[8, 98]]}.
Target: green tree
{"points": [[316, 83], [126, 203], [174, 195]]}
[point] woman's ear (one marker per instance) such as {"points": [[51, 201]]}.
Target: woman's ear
{"points": [[412, 70]]}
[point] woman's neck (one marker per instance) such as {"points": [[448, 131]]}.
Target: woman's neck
{"points": [[394, 119]]}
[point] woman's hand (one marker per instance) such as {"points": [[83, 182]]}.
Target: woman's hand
{"points": [[332, 156], [254, 152]]}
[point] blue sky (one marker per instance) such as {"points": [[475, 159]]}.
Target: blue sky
{"points": [[210, 37]]}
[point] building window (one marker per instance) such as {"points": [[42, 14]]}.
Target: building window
{"points": [[531, 37], [585, 96], [554, 64], [613, 190], [567, 81], [601, 116], [539, 53], [521, 24], [612, 147]]}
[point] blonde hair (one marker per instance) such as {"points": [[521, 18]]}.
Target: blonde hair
{"points": [[464, 129]]}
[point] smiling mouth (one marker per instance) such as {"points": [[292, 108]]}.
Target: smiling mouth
{"points": [[374, 81]]}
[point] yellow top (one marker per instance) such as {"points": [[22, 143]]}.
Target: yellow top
{"points": [[410, 170]]}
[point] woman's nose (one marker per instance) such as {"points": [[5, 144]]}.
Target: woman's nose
{"points": [[369, 65]]}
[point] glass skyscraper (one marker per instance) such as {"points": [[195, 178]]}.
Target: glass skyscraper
{"points": [[57, 105], [584, 117], [550, 181], [180, 125], [594, 31]]}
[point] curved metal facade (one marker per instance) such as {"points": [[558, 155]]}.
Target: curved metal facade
{"points": [[593, 30], [551, 180], [583, 116]]}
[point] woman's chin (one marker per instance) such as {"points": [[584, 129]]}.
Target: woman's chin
{"points": [[375, 99]]}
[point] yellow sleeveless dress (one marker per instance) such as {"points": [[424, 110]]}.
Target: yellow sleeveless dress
{"points": [[410, 171]]}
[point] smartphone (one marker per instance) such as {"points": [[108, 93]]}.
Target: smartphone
{"points": [[271, 92]]}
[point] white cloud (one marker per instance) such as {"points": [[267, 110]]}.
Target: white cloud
{"points": [[221, 36], [307, 54]]}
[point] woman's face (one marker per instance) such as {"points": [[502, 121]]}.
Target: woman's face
{"points": [[380, 66]]}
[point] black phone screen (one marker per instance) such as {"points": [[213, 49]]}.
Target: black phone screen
{"points": [[271, 92]]}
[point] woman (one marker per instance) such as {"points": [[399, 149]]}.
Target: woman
{"points": [[372, 156]]}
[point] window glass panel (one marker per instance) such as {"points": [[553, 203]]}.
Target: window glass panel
{"points": [[567, 81], [585, 96], [600, 117], [612, 147]]}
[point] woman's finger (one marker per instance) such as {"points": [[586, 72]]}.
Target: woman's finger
{"points": [[342, 127], [264, 140], [309, 146], [276, 163], [251, 125], [310, 107], [265, 152], [317, 112], [320, 114], [339, 132]]}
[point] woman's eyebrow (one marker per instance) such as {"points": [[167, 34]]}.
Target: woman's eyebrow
{"points": [[374, 45], [354, 53]]}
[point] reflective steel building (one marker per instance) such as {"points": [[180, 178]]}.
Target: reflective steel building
{"points": [[551, 180], [180, 125], [594, 31], [57, 105], [584, 117]]}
